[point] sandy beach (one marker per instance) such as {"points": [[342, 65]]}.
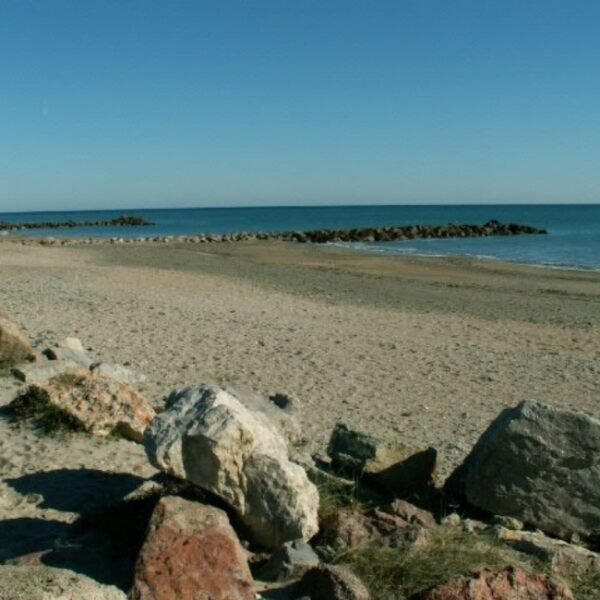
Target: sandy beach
{"points": [[424, 351]]}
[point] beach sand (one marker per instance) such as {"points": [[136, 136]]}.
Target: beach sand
{"points": [[422, 351]]}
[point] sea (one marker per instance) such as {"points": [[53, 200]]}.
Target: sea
{"points": [[573, 240]]}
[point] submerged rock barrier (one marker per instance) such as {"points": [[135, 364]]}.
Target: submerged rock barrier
{"points": [[124, 221], [322, 236]]}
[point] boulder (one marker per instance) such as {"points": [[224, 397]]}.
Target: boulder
{"points": [[396, 468], [539, 464], [14, 345], [328, 582], [191, 552], [507, 522], [348, 530], [41, 372], [209, 438], [410, 513], [118, 372], [92, 403], [281, 410], [47, 583], [507, 584], [562, 558], [289, 561], [69, 350]]}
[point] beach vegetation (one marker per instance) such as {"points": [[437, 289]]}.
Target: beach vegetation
{"points": [[398, 573], [337, 494], [586, 587], [33, 406]]}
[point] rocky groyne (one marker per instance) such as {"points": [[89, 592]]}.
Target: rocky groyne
{"points": [[124, 221], [324, 236]]}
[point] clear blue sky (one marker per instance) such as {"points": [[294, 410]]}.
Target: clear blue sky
{"points": [[110, 104]]}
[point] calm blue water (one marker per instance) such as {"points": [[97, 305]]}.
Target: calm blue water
{"points": [[573, 240]]}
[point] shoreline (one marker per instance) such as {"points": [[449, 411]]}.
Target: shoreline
{"points": [[56, 241]]}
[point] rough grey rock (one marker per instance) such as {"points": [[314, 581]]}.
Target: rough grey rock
{"points": [[37, 373], [118, 372], [410, 513], [507, 522], [292, 560], [539, 464], [209, 438], [562, 557], [47, 583], [70, 349], [396, 468]]}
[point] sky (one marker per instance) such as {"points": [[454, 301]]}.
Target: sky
{"points": [[132, 104]]}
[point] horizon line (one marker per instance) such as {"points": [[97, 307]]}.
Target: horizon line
{"points": [[284, 206]]}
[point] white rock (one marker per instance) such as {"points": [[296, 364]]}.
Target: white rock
{"points": [[118, 372], [208, 437], [36, 373], [74, 344]]}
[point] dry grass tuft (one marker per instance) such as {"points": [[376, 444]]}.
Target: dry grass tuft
{"points": [[586, 587], [396, 574], [33, 406]]}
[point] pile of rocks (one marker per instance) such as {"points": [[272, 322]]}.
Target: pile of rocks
{"points": [[124, 221], [322, 236], [234, 516]]}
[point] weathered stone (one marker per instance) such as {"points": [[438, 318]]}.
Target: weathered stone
{"points": [[396, 468], [508, 522], [283, 416], [347, 529], [72, 343], [119, 373], [562, 557], [508, 584], [46, 583], [14, 345], [410, 513], [191, 552], [473, 526], [208, 437], [93, 403], [452, 520], [539, 464], [328, 582], [69, 350], [43, 371], [292, 560]]}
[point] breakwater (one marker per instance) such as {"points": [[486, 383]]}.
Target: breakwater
{"points": [[323, 236], [124, 221]]}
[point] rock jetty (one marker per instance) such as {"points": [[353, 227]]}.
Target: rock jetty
{"points": [[124, 221], [316, 236]]}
